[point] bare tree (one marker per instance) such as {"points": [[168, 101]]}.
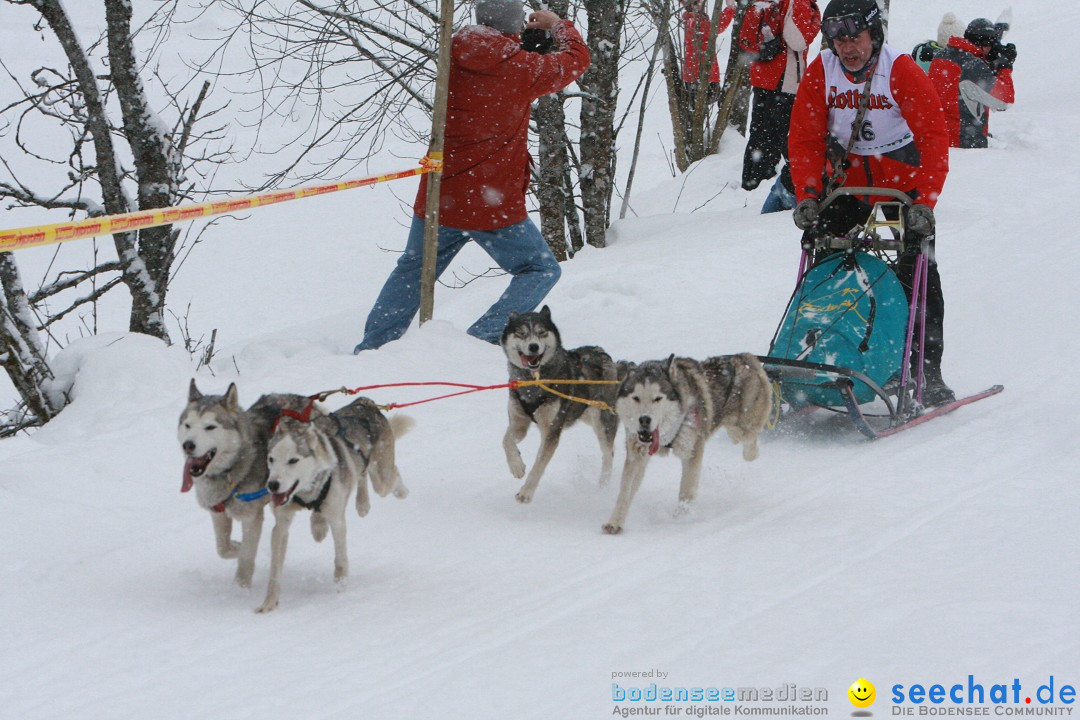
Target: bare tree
{"points": [[109, 167], [696, 130], [22, 354], [600, 86], [358, 72], [643, 105], [734, 110], [554, 185], [367, 69]]}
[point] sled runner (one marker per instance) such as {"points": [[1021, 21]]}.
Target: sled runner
{"points": [[850, 334]]}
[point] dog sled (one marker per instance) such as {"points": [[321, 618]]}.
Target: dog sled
{"points": [[850, 334]]}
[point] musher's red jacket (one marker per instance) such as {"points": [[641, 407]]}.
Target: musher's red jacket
{"points": [[920, 174], [486, 157]]}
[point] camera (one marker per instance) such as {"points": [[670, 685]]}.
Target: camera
{"points": [[537, 41], [1001, 56]]}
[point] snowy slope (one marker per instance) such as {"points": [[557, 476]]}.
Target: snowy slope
{"points": [[944, 552]]}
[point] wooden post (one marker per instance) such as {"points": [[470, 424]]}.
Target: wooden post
{"points": [[435, 152]]}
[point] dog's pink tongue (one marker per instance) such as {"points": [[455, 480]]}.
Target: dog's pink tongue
{"points": [[188, 481], [655, 444], [279, 499]]}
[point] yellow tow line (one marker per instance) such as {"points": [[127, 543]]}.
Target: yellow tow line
{"points": [[536, 381]]}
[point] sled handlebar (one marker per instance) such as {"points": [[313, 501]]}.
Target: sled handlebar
{"points": [[868, 238], [886, 192], [847, 243]]}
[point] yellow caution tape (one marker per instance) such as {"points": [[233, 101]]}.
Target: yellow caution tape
{"points": [[140, 219]]}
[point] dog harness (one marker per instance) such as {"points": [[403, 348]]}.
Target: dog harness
{"points": [[220, 507], [316, 504], [345, 438], [690, 418], [252, 496]]}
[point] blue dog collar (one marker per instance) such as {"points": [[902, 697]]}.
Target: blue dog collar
{"points": [[252, 496]]}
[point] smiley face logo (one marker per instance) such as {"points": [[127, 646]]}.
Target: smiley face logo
{"points": [[862, 693]]}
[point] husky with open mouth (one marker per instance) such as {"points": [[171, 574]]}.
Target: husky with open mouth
{"points": [[674, 405], [315, 464], [225, 461], [534, 350]]}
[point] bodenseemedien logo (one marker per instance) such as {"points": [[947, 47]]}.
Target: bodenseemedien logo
{"points": [[787, 700]]}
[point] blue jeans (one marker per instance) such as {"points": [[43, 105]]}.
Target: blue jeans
{"points": [[518, 249], [779, 199]]}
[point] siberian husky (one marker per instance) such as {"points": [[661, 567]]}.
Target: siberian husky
{"points": [[225, 461], [534, 350], [315, 464], [675, 405]]}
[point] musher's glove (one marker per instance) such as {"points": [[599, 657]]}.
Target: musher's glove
{"points": [[920, 219], [1002, 57], [806, 213]]}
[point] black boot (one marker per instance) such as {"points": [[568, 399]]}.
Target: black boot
{"points": [[935, 391]]}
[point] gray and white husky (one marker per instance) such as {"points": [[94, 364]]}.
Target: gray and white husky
{"points": [[675, 405], [534, 350], [315, 464], [225, 459]]}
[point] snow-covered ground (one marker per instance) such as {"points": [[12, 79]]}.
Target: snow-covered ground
{"points": [[946, 552]]}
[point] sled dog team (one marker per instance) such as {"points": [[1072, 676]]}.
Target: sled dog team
{"points": [[285, 451]]}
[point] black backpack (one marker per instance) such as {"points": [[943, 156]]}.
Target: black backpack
{"points": [[924, 53]]}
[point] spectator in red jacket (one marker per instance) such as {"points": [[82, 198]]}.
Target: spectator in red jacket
{"points": [[778, 33], [972, 75], [493, 82], [696, 28], [901, 143]]}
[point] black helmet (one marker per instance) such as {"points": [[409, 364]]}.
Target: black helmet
{"points": [[850, 17], [982, 32]]}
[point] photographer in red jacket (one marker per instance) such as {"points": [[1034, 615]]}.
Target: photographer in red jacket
{"points": [[493, 82], [973, 75], [900, 142]]}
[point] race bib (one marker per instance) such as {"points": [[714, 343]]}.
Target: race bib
{"points": [[883, 127]]}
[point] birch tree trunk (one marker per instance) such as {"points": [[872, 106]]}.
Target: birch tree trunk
{"points": [[554, 165], [600, 85], [735, 91], [78, 99], [147, 300], [21, 352], [154, 163]]}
